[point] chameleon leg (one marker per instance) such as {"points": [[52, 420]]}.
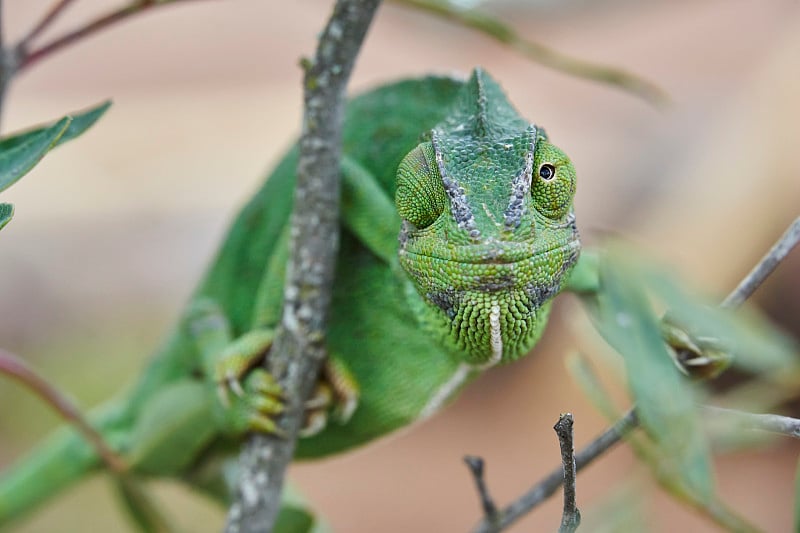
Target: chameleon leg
{"points": [[249, 395], [368, 211], [585, 276], [337, 392], [232, 365]]}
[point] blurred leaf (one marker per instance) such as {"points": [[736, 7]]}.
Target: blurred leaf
{"points": [[664, 401], [6, 212], [20, 152], [24, 153]]}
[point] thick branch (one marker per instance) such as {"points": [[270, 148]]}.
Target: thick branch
{"points": [[298, 350]]}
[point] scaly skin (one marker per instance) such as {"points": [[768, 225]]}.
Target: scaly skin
{"points": [[487, 239]]}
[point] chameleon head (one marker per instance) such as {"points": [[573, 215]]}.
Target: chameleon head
{"points": [[488, 234]]}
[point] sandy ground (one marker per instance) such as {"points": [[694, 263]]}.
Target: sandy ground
{"points": [[112, 230]]}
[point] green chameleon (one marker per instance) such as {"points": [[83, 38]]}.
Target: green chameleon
{"points": [[483, 205]]}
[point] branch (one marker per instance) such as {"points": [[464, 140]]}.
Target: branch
{"points": [[298, 351], [540, 53], [571, 516], [15, 367], [774, 423], [764, 268], [27, 57], [475, 465], [49, 17], [768, 422]]}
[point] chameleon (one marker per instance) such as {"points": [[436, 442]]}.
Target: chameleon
{"points": [[458, 230]]}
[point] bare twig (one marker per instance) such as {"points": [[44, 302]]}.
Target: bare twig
{"points": [[541, 53], [547, 486], [771, 423], [52, 14], [476, 465], [14, 367], [29, 57], [553, 481], [570, 516], [764, 268], [298, 350]]}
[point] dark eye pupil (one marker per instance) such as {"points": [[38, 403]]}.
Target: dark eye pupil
{"points": [[547, 172]]}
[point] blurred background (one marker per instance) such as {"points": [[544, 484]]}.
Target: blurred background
{"points": [[112, 231]]}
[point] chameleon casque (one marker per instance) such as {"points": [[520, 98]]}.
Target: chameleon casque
{"points": [[483, 205]]}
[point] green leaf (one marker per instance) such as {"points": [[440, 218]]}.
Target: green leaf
{"points": [[664, 400], [20, 152], [6, 212], [81, 121], [21, 158]]}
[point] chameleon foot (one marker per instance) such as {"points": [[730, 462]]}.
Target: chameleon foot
{"points": [[252, 397], [336, 393], [697, 357], [254, 409]]}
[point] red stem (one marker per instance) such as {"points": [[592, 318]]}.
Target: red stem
{"points": [[27, 59], [13, 366]]}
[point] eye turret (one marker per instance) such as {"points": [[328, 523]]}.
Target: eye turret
{"points": [[553, 186], [420, 196]]}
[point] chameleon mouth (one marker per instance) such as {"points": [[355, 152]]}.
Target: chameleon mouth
{"points": [[496, 253]]}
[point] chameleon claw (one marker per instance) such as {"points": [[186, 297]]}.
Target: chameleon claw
{"points": [[233, 383], [267, 406], [315, 422], [263, 424], [322, 398], [346, 409]]}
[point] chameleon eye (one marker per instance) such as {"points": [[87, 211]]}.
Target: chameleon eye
{"points": [[420, 196], [553, 191], [547, 172]]}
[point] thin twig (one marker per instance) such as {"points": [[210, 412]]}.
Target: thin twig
{"points": [[553, 481], [298, 351], [547, 486], [52, 14], [28, 57], [570, 516], [764, 268], [771, 423], [541, 53], [476, 465], [15, 367]]}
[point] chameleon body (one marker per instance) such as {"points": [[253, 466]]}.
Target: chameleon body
{"points": [[482, 203]]}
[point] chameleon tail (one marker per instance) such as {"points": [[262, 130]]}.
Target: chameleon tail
{"points": [[60, 460]]}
